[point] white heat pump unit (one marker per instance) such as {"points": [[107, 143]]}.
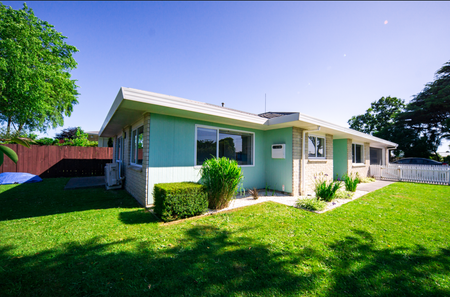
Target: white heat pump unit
{"points": [[278, 151], [112, 179]]}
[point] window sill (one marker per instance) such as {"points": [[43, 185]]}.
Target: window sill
{"points": [[135, 167], [358, 165], [317, 161]]}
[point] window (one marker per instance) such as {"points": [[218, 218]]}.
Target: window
{"points": [[357, 153], [215, 142], [119, 148], [316, 147], [137, 145]]}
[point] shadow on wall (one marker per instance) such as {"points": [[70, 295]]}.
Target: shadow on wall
{"points": [[208, 261], [49, 197]]}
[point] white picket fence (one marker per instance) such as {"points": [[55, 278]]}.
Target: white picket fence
{"points": [[430, 174]]}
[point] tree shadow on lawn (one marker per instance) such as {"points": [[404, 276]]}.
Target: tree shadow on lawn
{"points": [[49, 197], [211, 261]]}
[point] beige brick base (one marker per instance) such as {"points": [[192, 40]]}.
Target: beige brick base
{"points": [[136, 177]]}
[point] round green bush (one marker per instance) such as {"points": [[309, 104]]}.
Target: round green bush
{"points": [[221, 177]]}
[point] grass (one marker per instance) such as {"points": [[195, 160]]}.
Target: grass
{"points": [[392, 242]]}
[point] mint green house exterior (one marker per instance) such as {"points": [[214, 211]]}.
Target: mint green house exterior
{"points": [[160, 138]]}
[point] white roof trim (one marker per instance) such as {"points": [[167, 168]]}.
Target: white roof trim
{"points": [[214, 110], [318, 122]]}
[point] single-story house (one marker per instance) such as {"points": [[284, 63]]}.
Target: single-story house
{"points": [[160, 138]]}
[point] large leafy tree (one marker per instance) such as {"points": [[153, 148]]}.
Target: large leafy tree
{"points": [[429, 111], [36, 89], [383, 119], [380, 116]]}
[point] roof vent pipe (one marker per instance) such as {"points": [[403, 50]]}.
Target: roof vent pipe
{"points": [[303, 192]]}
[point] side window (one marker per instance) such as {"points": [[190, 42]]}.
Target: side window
{"points": [[357, 153], [316, 147], [137, 146]]}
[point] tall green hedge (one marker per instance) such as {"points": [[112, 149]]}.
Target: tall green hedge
{"points": [[174, 201]]}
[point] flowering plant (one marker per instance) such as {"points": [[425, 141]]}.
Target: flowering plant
{"points": [[324, 189]]}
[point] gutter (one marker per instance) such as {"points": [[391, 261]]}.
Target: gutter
{"points": [[303, 157]]}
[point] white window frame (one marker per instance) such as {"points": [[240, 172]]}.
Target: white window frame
{"points": [[133, 162], [118, 155], [217, 143], [324, 147], [363, 159]]}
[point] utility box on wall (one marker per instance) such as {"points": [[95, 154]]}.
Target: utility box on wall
{"points": [[278, 151]]}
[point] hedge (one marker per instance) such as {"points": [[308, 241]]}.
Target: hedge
{"points": [[174, 201]]}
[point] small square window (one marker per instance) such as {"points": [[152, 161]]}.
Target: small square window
{"points": [[316, 147]]}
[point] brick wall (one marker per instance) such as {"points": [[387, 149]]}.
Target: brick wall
{"points": [[136, 177], [296, 160], [313, 167], [363, 170]]}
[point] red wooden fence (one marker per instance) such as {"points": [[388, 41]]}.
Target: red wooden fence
{"points": [[58, 161]]}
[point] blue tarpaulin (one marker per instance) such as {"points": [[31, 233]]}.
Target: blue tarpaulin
{"points": [[7, 178]]}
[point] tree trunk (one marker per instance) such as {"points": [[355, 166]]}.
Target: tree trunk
{"points": [[8, 127]]}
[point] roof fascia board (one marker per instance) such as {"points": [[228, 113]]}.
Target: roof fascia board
{"points": [[189, 105], [112, 110], [318, 122], [315, 121]]}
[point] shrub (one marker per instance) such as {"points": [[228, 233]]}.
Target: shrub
{"points": [[221, 177], [367, 180], [175, 201], [351, 182], [344, 195], [311, 203], [325, 189]]}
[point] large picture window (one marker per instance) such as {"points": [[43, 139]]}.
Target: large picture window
{"points": [[137, 146], [357, 153], [316, 147], [215, 142]]}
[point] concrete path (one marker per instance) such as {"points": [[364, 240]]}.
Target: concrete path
{"points": [[85, 182], [361, 190], [370, 187]]}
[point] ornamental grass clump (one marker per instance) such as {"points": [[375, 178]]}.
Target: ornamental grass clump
{"points": [[221, 177], [324, 189], [351, 182], [311, 204]]}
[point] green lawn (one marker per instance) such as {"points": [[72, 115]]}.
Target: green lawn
{"points": [[392, 242]]}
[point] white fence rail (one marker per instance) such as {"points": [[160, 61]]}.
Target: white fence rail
{"points": [[430, 174]]}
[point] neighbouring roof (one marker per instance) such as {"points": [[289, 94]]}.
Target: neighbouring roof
{"points": [[130, 104], [271, 115]]}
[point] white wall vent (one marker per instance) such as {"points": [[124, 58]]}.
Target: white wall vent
{"points": [[278, 151]]}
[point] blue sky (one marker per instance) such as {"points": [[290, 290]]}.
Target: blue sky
{"points": [[329, 60]]}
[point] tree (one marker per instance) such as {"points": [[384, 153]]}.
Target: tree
{"points": [[68, 133], [36, 89], [429, 111], [75, 136], [383, 119], [381, 115]]}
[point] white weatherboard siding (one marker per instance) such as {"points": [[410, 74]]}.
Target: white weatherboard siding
{"points": [[158, 175]]}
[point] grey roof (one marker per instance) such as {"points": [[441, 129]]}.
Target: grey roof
{"points": [[271, 115]]}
